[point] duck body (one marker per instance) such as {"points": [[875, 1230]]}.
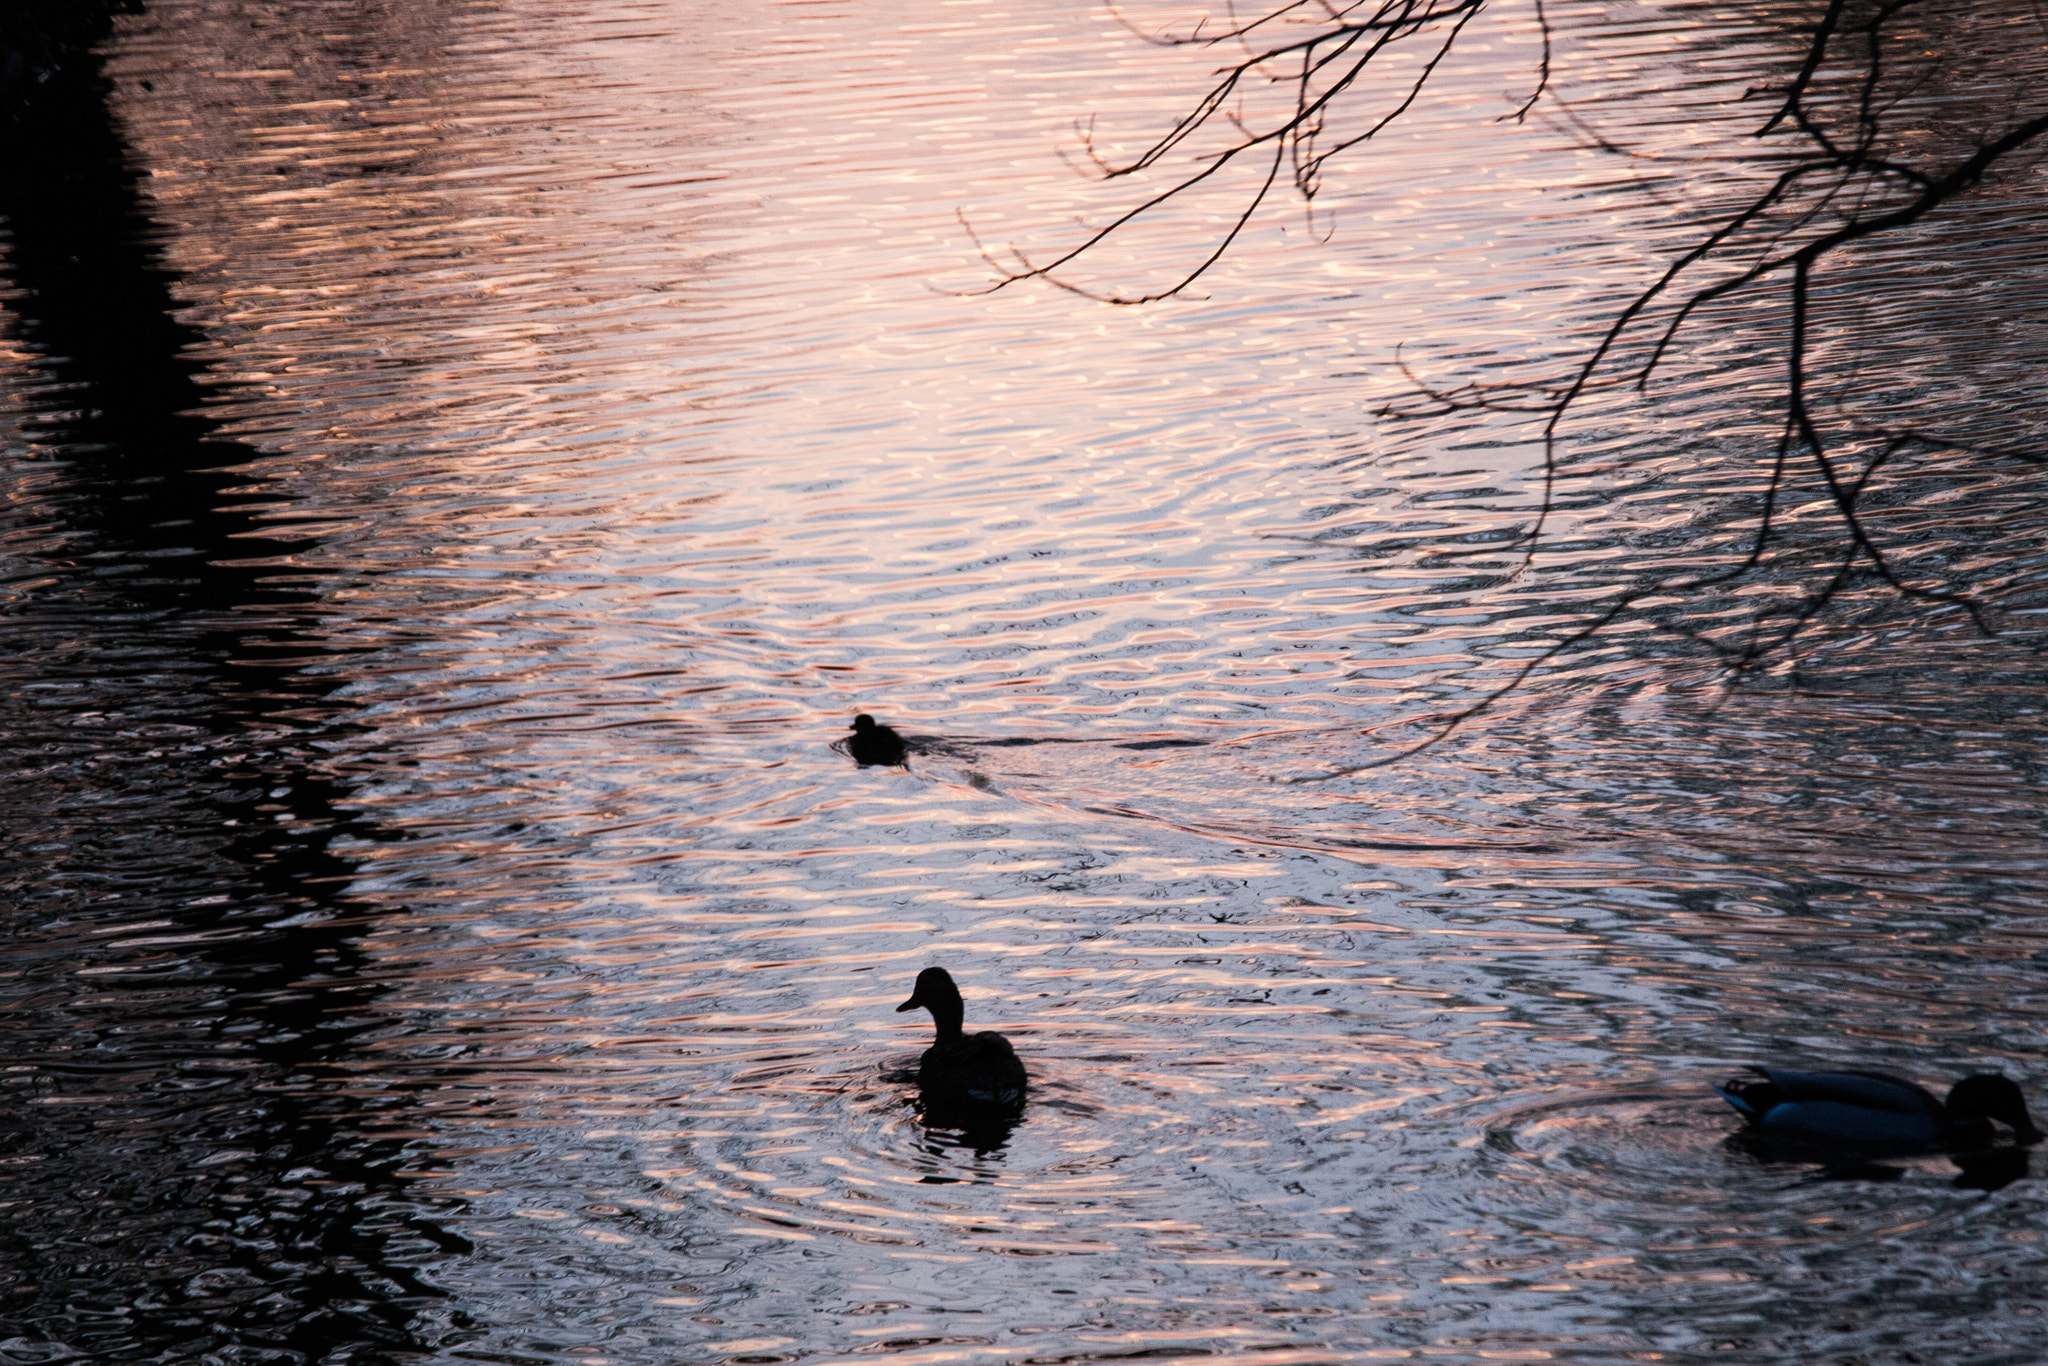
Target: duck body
{"points": [[979, 1070], [874, 743], [1877, 1111]]}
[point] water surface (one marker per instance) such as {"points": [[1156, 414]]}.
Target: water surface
{"points": [[442, 927]]}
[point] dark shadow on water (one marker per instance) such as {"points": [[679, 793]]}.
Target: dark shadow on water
{"points": [[1987, 1170], [1993, 1170], [983, 1130], [951, 1124], [181, 1178]]}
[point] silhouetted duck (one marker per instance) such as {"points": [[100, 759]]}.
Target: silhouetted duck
{"points": [[1873, 1110], [875, 744], [980, 1069]]}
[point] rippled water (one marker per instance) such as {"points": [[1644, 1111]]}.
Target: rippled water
{"points": [[442, 926]]}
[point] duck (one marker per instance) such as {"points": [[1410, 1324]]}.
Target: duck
{"points": [[874, 743], [961, 1068], [1875, 1110]]}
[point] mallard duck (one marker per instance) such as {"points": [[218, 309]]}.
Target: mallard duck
{"points": [[980, 1069], [873, 743], [1873, 1110]]}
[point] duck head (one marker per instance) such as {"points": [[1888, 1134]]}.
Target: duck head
{"points": [[935, 992], [865, 724], [1985, 1096]]}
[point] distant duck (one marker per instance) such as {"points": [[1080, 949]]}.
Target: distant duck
{"points": [[974, 1069], [875, 744], [1871, 1110]]}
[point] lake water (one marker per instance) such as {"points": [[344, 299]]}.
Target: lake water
{"points": [[440, 926]]}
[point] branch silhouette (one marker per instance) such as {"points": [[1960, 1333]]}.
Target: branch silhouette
{"points": [[1839, 176], [1321, 65]]}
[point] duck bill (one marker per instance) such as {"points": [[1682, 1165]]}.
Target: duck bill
{"points": [[912, 1004]]}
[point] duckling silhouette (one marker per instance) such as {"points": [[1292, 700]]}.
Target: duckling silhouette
{"points": [[875, 744], [962, 1069], [1876, 1111]]}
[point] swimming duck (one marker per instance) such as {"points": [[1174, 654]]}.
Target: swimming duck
{"points": [[1874, 1110], [875, 744], [980, 1069]]}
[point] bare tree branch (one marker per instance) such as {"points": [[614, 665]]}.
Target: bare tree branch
{"points": [[1840, 176]]}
